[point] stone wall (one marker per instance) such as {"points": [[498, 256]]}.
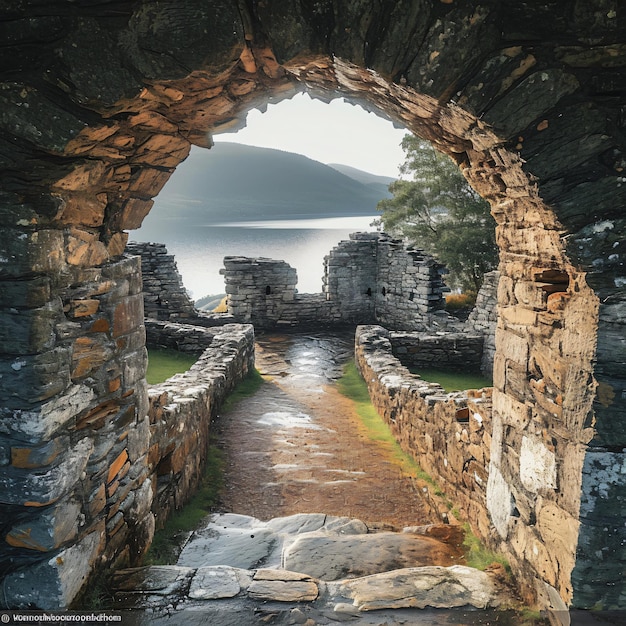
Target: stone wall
{"points": [[74, 486], [114, 455], [484, 316], [455, 351], [409, 286], [164, 297], [454, 437], [367, 278], [100, 102], [448, 434], [349, 279], [181, 408]]}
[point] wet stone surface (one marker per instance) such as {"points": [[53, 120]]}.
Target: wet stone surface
{"points": [[297, 445], [322, 524], [341, 573]]}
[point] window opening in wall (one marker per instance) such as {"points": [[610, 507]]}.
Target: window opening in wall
{"points": [[411, 297], [268, 290], [299, 178], [369, 291], [383, 291]]}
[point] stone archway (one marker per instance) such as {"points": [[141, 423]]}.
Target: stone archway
{"points": [[99, 105]]}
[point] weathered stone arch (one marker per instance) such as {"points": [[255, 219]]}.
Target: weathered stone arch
{"points": [[99, 103]]}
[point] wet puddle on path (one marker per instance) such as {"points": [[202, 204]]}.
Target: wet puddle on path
{"points": [[297, 445]]}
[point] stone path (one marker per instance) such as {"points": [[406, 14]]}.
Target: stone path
{"points": [[298, 447], [314, 509]]}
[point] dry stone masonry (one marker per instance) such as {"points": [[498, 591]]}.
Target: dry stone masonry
{"points": [[368, 278], [181, 409], [449, 434], [99, 104], [455, 437], [164, 297], [484, 316]]}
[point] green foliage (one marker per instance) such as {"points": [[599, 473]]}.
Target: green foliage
{"points": [[477, 555], [453, 381], [439, 212], [164, 363], [247, 387]]}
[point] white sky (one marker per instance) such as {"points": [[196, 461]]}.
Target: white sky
{"points": [[337, 132]]}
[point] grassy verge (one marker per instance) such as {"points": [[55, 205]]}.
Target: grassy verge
{"points": [[453, 381], [477, 555], [247, 387], [352, 385], [163, 363]]}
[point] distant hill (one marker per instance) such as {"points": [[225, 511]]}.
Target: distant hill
{"points": [[237, 183], [374, 182]]}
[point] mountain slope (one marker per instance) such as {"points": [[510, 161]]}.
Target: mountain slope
{"points": [[234, 183], [359, 175]]}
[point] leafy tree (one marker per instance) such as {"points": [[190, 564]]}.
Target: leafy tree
{"points": [[439, 212]]}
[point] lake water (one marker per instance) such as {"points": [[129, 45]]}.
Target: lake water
{"points": [[302, 243]]}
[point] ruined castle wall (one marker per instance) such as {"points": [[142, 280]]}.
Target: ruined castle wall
{"points": [[181, 408], [74, 474], [350, 277], [84, 475], [455, 351], [409, 286], [263, 292], [449, 435], [483, 318], [92, 130], [367, 278], [165, 297]]}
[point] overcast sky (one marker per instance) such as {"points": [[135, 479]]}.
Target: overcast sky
{"points": [[330, 133]]}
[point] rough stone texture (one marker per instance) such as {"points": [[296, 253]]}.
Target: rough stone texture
{"points": [[368, 278], [308, 558], [100, 102], [448, 434], [181, 408], [458, 441], [483, 319], [157, 588], [455, 351], [164, 297]]}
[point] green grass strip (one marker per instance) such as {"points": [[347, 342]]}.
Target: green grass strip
{"points": [[352, 386], [477, 555], [164, 363], [246, 388], [453, 381]]}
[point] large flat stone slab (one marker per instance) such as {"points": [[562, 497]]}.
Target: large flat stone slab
{"points": [[331, 556], [233, 540], [435, 587], [212, 583]]}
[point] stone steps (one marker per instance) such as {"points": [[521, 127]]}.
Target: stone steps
{"points": [[327, 566]]}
